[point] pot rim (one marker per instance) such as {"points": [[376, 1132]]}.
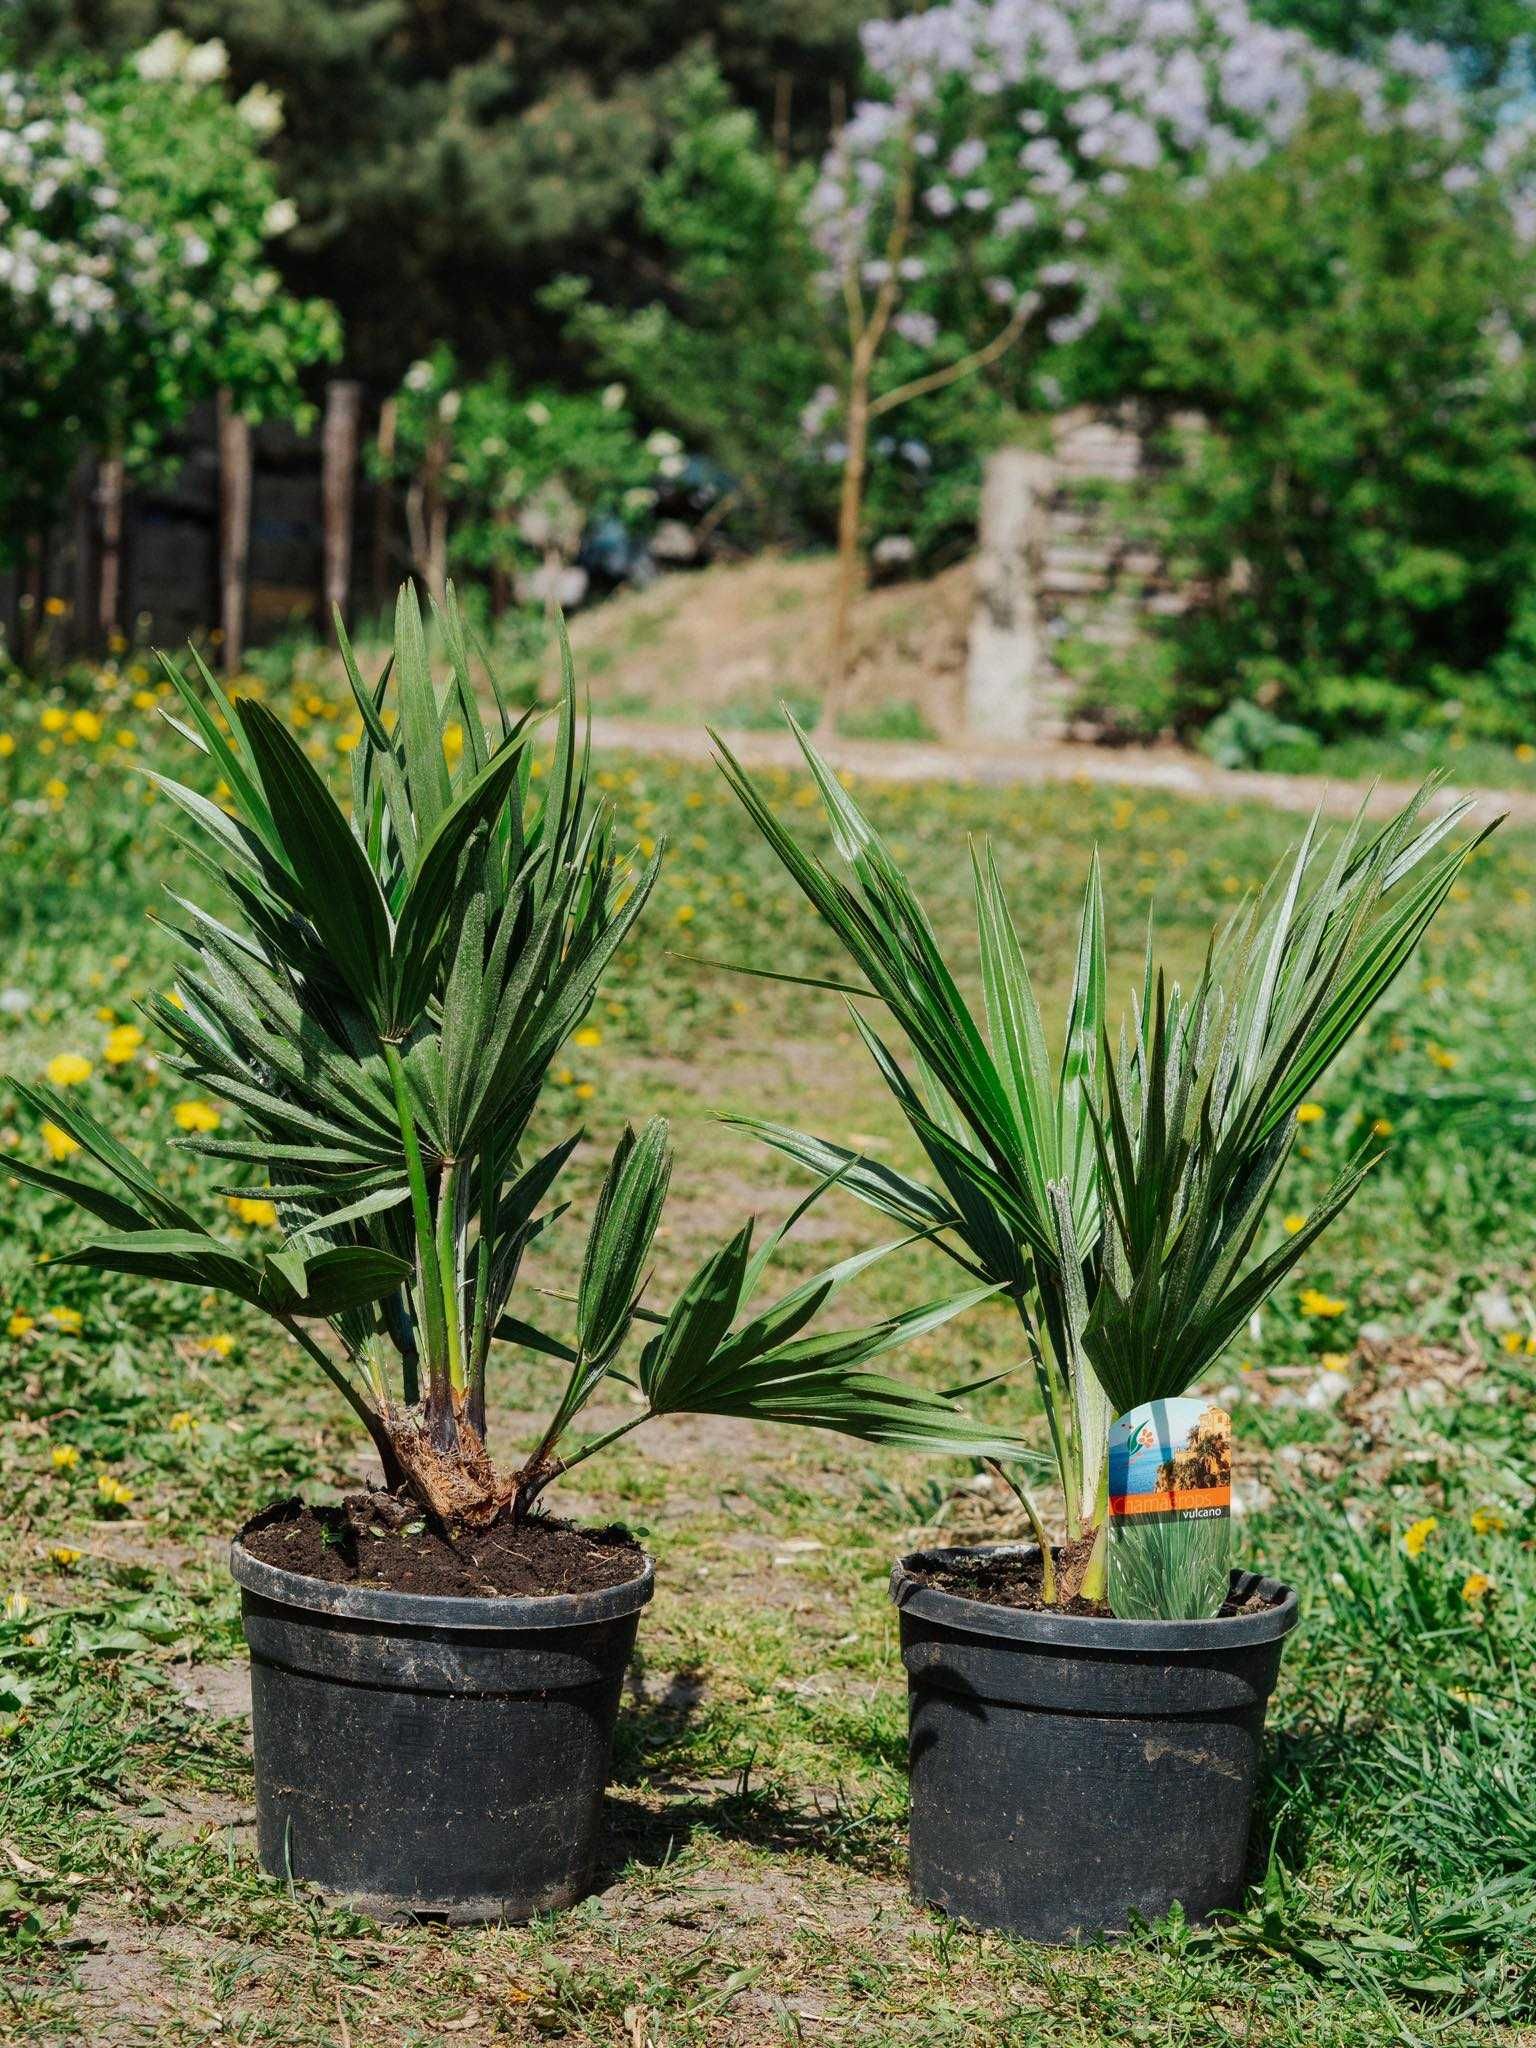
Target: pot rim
{"points": [[1087, 1631], [503, 1613]]}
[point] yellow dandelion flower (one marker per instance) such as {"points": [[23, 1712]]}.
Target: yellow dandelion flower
{"points": [[254, 1210], [112, 1490], [85, 725], [144, 700], [1416, 1536], [584, 1091], [65, 1457], [1294, 1222], [1487, 1521], [17, 1606], [1309, 1112], [7, 746], [683, 914], [55, 607], [196, 1116], [123, 1041], [55, 790], [19, 1324], [1513, 1341], [1315, 1303], [66, 1069], [65, 1556], [58, 1142], [220, 1345], [347, 742], [453, 744], [182, 1421], [1475, 1588], [1382, 1127], [1335, 1361], [1442, 1059], [588, 1036], [125, 739], [1525, 751], [53, 719], [69, 1320]]}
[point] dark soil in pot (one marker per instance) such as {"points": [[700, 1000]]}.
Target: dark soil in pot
{"points": [[357, 1545], [1072, 1772], [442, 1752], [1014, 1579]]}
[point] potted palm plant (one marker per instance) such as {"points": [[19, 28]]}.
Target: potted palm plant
{"points": [[1086, 1712], [437, 1662]]}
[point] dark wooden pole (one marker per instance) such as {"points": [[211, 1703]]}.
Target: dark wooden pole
{"points": [[383, 504], [234, 527], [109, 545], [338, 489], [84, 574]]}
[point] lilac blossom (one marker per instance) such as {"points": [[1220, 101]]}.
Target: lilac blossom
{"points": [[1021, 120]]}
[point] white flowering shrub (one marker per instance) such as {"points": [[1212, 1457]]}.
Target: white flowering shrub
{"points": [[1004, 131], [136, 214]]}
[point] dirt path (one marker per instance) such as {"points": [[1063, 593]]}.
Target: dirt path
{"points": [[1005, 766]]}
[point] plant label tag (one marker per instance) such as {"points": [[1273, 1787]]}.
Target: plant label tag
{"points": [[1170, 1509]]}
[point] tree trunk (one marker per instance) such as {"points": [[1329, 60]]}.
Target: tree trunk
{"points": [[338, 484], [234, 528], [850, 521]]}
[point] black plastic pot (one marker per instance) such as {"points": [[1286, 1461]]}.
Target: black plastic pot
{"points": [[433, 1756], [1069, 1772]]}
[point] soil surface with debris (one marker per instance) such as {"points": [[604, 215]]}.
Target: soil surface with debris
{"points": [[351, 1546], [1013, 1580]]}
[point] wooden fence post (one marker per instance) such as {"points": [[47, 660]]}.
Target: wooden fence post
{"points": [[338, 484], [234, 527], [85, 628], [110, 484], [383, 503]]}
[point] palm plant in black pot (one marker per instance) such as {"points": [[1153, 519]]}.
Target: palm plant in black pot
{"points": [[436, 1662], [1115, 1199]]}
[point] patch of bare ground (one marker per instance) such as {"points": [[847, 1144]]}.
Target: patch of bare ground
{"points": [[219, 1690], [745, 634]]}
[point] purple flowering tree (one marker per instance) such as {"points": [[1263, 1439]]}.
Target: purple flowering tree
{"points": [[961, 209]]}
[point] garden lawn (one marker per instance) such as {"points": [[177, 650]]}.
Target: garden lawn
{"points": [[754, 1887]]}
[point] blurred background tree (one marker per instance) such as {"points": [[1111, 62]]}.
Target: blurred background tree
{"points": [[507, 141]]}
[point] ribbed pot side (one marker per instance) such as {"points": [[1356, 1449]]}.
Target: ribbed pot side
{"points": [[1068, 1772], [418, 1755]]}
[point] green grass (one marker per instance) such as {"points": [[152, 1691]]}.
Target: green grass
{"points": [[1406, 757], [756, 1884]]}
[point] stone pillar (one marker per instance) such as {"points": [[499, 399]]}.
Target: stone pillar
{"points": [[1007, 684]]}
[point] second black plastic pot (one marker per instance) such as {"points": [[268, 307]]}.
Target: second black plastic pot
{"points": [[419, 1755], [1068, 1772]]}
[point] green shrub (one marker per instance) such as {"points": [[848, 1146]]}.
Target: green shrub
{"points": [[1352, 317]]}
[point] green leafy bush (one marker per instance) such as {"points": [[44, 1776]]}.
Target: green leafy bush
{"points": [[1353, 318]]}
